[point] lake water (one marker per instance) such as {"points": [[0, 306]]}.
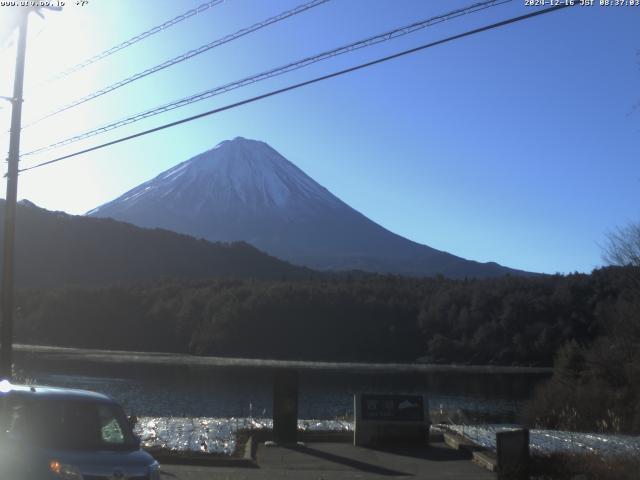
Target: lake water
{"points": [[200, 407], [148, 389], [544, 442]]}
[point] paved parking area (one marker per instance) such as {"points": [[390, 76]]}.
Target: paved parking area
{"points": [[330, 461]]}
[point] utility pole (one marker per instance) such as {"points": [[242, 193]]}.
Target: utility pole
{"points": [[6, 328], [7, 296]]}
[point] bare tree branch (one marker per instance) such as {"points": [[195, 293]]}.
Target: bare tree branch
{"points": [[623, 246]]}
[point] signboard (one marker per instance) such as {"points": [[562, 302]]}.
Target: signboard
{"points": [[408, 408], [390, 419]]}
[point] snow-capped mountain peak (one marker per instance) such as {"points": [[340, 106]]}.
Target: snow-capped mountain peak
{"points": [[235, 172], [245, 190]]}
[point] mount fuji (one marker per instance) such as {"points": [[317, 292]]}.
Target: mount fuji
{"points": [[245, 190]]}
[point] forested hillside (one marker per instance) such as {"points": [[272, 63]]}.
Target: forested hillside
{"points": [[55, 249], [596, 385], [511, 320]]}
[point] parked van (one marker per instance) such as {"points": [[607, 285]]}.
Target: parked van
{"points": [[62, 434]]}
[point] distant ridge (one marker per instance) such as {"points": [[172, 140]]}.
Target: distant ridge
{"points": [[245, 190], [54, 249]]}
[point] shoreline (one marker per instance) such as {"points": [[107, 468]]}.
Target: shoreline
{"points": [[185, 360]]}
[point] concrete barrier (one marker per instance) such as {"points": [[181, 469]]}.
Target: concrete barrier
{"points": [[512, 451], [285, 407]]}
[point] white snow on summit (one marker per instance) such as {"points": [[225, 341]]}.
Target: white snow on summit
{"points": [[237, 171]]}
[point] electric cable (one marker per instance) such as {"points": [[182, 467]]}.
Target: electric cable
{"points": [[132, 41], [180, 58], [307, 82], [383, 37]]}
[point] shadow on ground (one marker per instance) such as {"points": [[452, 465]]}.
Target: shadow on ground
{"points": [[433, 454], [348, 462]]}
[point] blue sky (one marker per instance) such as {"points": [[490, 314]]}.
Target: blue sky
{"points": [[517, 145]]}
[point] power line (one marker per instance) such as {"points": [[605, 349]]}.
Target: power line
{"points": [[182, 58], [305, 83], [133, 40], [272, 73]]}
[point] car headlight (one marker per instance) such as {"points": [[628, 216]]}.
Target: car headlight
{"points": [[64, 471], [154, 471]]}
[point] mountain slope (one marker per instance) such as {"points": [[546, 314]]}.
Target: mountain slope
{"points": [[53, 248], [245, 190]]}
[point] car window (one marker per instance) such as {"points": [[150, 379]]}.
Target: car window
{"points": [[110, 429], [67, 424]]}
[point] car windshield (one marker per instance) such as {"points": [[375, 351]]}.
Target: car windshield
{"points": [[64, 424]]}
